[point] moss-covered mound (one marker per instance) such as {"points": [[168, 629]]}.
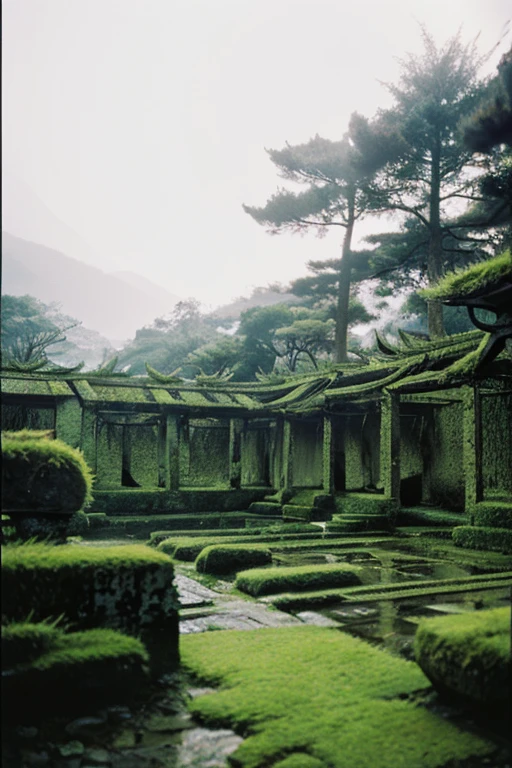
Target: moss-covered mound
{"points": [[309, 693], [468, 656], [39, 659], [220, 559], [268, 581], [129, 587], [481, 537], [43, 475]]}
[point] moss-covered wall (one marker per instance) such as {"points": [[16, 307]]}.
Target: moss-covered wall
{"points": [[208, 454], [446, 460], [141, 445], [361, 443], [307, 454], [68, 421], [109, 455], [496, 410], [256, 449], [17, 417], [276, 453]]}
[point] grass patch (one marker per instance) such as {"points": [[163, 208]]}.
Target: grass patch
{"points": [[220, 559], [319, 694], [468, 655], [268, 581]]}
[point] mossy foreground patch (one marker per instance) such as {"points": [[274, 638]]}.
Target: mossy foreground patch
{"points": [[268, 581], [468, 655], [321, 694]]}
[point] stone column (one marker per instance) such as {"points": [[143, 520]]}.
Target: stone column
{"points": [[287, 457], [88, 442], [172, 452], [68, 421], [390, 444], [472, 448], [235, 452], [328, 459]]}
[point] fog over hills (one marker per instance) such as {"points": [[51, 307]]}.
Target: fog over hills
{"points": [[115, 305]]}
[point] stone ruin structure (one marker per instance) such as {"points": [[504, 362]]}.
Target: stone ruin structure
{"points": [[421, 423]]}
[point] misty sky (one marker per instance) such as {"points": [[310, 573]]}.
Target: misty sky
{"points": [[142, 124]]}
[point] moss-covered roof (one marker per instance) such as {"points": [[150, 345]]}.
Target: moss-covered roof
{"points": [[474, 281], [411, 365]]}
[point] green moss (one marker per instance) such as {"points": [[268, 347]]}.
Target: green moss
{"points": [[40, 474], [479, 537], [188, 548], [79, 669], [468, 281], [25, 641], [493, 514], [468, 655], [323, 694], [219, 558], [267, 581], [127, 587]]}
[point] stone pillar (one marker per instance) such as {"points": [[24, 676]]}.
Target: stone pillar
{"points": [[172, 452], [472, 449], [88, 442], [328, 458], [235, 452], [68, 421], [390, 444], [287, 457]]}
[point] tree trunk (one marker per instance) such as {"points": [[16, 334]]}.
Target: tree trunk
{"points": [[344, 279], [436, 328]]}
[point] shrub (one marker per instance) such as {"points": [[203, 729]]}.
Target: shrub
{"points": [[493, 515], [479, 537], [267, 581], [41, 474], [467, 656], [219, 558]]}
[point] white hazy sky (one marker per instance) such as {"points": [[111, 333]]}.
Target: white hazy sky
{"points": [[142, 123]]}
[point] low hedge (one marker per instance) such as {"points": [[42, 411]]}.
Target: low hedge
{"points": [[479, 537], [275, 530], [493, 515], [41, 474], [467, 656], [221, 559], [92, 666], [188, 548], [268, 581], [128, 587]]}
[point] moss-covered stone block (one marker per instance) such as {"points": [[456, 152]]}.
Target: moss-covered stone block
{"points": [[479, 537], [219, 559], [128, 587], [468, 656], [80, 668], [265, 508], [493, 514]]}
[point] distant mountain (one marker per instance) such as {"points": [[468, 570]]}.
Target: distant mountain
{"points": [[113, 306], [147, 286], [25, 215]]}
